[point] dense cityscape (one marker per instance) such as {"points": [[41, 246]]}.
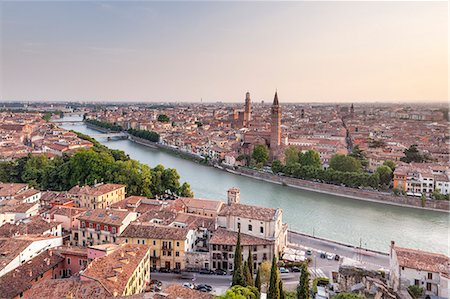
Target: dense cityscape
{"points": [[224, 150]]}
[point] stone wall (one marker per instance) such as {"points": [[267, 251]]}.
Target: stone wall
{"points": [[355, 193]]}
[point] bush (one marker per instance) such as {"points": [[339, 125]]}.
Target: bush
{"points": [[415, 291]]}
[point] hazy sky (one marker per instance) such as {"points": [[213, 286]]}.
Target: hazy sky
{"points": [[185, 51]]}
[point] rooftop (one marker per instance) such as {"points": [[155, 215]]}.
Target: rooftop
{"points": [[153, 231], [227, 237], [249, 211], [422, 260]]}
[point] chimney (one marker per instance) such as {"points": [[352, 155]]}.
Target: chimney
{"points": [[392, 247], [233, 195]]}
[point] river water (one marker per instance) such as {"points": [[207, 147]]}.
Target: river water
{"points": [[332, 217]]}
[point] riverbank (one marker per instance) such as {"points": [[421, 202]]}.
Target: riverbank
{"points": [[353, 193]]}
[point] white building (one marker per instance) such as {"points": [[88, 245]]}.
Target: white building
{"points": [[427, 270]]}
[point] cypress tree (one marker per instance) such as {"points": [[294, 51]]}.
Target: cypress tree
{"points": [[281, 290], [250, 261], [238, 275], [303, 286], [247, 275], [274, 286], [258, 279]]}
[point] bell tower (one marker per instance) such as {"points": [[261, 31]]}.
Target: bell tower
{"points": [[248, 110], [275, 127]]}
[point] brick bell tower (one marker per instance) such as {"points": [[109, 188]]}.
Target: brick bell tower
{"points": [[248, 110], [275, 128]]}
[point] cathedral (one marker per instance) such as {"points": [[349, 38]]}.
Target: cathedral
{"points": [[258, 134]]}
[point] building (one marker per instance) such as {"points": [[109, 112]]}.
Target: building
{"points": [[266, 223], [98, 196], [19, 250], [14, 211], [275, 128], [248, 110], [124, 272], [31, 226], [168, 245], [223, 244], [427, 270], [75, 260], [416, 180], [10, 190], [101, 226], [16, 283]]}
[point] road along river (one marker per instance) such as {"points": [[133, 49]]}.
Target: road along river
{"points": [[337, 218]]}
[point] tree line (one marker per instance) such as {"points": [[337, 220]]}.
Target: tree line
{"points": [[110, 126], [90, 166], [144, 134]]}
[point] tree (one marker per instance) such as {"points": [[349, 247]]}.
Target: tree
{"points": [[345, 163], [265, 268], [439, 196], [412, 154], [258, 279], [291, 155], [385, 174], [260, 154], [185, 190], [277, 166], [240, 292], [163, 118], [238, 275], [310, 158], [280, 286], [274, 285], [359, 155], [247, 275], [250, 267], [348, 296], [303, 286], [390, 164], [415, 291]]}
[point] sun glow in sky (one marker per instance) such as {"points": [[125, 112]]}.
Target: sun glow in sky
{"points": [[185, 51]]}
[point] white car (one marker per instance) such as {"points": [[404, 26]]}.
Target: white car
{"points": [[330, 256], [188, 285]]}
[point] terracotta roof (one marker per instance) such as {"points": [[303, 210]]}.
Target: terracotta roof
{"points": [[422, 260], [62, 288], [10, 189], [106, 216], [10, 248], [207, 204], [66, 211], [27, 193], [97, 190], [227, 237], [30, 226], [248, 211], [19, 279], [127, 258], [152, 231]]}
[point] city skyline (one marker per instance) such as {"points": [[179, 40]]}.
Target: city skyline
{"points": [[183, 52]]}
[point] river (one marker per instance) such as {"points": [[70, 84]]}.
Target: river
{"points": [[332, 217]]}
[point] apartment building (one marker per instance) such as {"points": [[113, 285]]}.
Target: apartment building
{"points": [[99, 196], [124, 272], [101, 226]]}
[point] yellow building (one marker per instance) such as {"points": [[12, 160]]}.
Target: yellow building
{"points": [[124, 272], [98, 196], [168, 245]]}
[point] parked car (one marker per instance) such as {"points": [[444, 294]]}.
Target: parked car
{"points": [[155, 282], [202, 287], [337, 257], [284, 270], [187, 275], [205, 271], [296, 269], [322, 255], [309, 252], [188, 285], [330, 256], [220, 272], [176, 271], [164, 270]]}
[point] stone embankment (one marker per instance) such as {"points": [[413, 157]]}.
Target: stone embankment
{"points": [[368, 195]]}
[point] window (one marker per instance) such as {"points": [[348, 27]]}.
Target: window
{"points": [[83, 224], [68, 261], [430, 275], [90, 225], [261, 230], [126, 240], [139, 241], [113, 230], [98, 226], [255, 248], [164, 253], [143, 241], [250, 227], [169, 253], [428, 286], [416, 282], [177, 253], [106, 228], [178, 244], [154, 242]]}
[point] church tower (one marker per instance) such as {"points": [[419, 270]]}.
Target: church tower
{"points": [[275, 127], [247, 111]]}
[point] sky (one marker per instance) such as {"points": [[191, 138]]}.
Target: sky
{"points": [[217, 51]]}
